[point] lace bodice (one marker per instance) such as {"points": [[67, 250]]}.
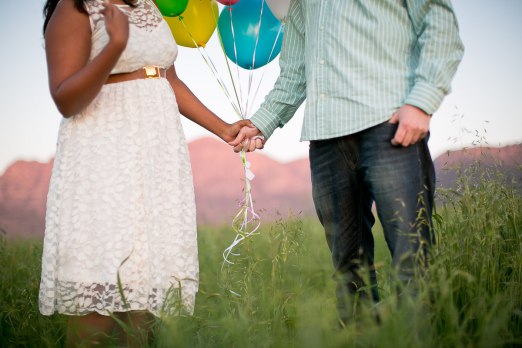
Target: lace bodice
{"points": [[150, 39]]}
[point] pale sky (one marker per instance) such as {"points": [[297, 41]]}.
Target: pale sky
{"points": [[486, 96]]}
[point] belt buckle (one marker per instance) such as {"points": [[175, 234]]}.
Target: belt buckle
{"points": [[152, 72]]}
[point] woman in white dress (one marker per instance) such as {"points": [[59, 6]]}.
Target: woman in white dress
{"points": [[120, 236]]}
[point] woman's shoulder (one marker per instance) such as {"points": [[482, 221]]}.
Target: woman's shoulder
{"points": [[70, 9], [88, 7], [66, 15]]}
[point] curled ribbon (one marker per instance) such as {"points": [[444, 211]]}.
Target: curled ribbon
{"points": [[246, 222]]}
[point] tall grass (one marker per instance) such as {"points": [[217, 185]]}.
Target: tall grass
{"points": [[21, 325], [280, 291], [478, 274]]}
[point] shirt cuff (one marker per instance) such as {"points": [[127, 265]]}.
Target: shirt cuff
{"points": [[426, 97], [265, 121]]}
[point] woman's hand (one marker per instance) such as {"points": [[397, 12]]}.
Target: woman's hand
{"points": [[74, 79], [249, 138], [232, 130], [116, 24], [192, 108]]}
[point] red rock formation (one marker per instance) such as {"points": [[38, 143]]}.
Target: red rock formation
{"points": [[506, 159], [218, 178], [219, 182], [23, 192]]}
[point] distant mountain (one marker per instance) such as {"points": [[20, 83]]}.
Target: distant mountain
{"points": [[218, 178], [278, 189], [23, 191], [507, 160]]}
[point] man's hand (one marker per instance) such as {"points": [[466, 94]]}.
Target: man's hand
{"points": [[249, 138], [413, 125], [231, 132]]}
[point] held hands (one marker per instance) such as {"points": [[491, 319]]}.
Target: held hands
{"points": [[231, 132], [413, 125], [116, 24], [249, 138]]}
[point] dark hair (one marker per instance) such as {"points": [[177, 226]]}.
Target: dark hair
{"points": [[50, 6]]}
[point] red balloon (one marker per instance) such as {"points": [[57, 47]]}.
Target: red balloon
{"points": [[228, 2]]}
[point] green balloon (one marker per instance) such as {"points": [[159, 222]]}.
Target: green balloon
{"points": [[172, 8]]}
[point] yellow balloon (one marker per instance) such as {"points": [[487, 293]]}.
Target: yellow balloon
{"points": [[196, 24]]}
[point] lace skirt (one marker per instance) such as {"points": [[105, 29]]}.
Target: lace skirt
{"points": [[121, 219]]}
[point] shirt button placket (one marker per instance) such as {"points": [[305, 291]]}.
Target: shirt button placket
{"points": [[321, 83], [321, 50]]}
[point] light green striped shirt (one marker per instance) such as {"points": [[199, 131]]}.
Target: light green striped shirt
{"points": [[357, 61]]}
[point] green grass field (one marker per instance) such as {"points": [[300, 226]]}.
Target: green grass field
{"points": [[280, 291]]}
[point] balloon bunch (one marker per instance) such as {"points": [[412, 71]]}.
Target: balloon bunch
{"points": [[250, 36], [192, 22]]}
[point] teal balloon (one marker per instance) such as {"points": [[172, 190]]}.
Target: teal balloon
{"points": [[172, 8], [244, 17]]}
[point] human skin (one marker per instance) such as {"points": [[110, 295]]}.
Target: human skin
{"points": [[74, 82], [413, 126]]}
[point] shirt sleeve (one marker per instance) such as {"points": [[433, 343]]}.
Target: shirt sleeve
{"points": [[440, 52], [289, 90]]}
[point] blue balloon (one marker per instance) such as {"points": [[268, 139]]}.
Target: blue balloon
{"points": [[244, 18]]}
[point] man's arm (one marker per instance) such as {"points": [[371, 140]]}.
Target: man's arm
{"points": [[440, 49], [289, 91], [440, 52]]}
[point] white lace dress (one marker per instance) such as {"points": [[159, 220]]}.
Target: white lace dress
{"points": [[120, 208]]}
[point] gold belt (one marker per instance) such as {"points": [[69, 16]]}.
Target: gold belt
{"points": [[148, 72]]}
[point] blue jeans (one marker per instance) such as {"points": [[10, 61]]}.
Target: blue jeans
{"points": [[349, 174]]}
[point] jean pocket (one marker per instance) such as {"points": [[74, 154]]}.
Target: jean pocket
{"points": [[383, 132]]}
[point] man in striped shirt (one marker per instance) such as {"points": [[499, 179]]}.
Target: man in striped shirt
{"points": [[372, 72]]}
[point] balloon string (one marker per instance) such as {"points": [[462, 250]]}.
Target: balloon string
{"points": [[257, 35], [241, 116], [251, 72], [269, 59], [275, 41], [247, 221], [213, 69]]}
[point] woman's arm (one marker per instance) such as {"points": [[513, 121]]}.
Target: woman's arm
{"points": [[192, 108], [73, 81]]}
